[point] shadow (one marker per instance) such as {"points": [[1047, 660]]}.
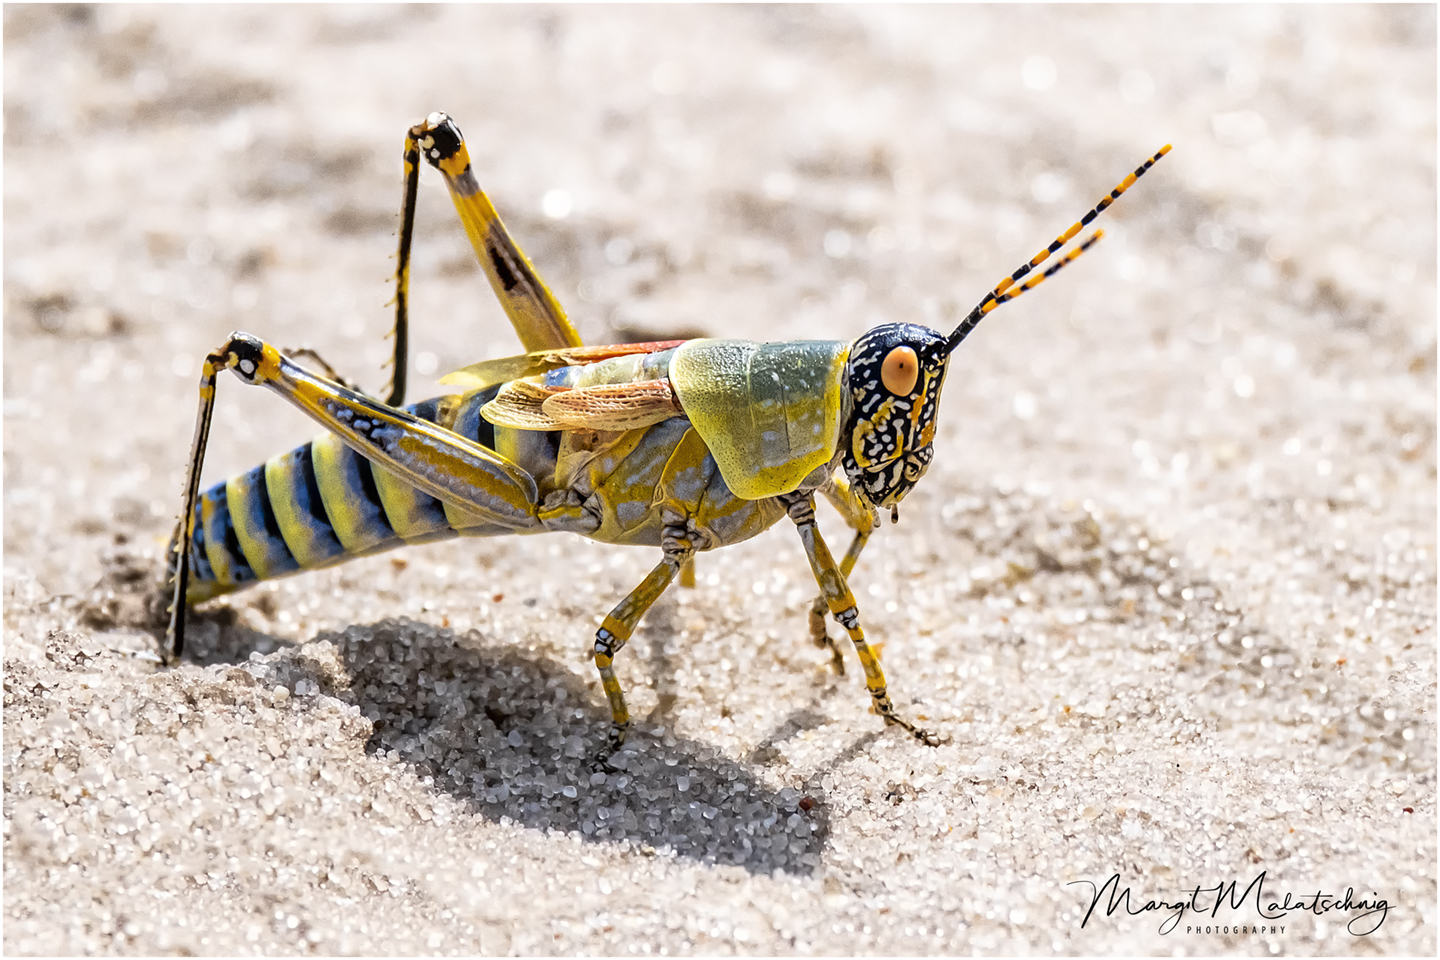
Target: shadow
{"points": [[654, 652], [766, 751], [215, 636], [512, 735], [130, 596]]}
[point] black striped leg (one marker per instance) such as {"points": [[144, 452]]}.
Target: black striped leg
{"points": [[533, 310], [819, 633], [862, 518], [617, 627], [459, 472], [401, 331], [185, 530], [536, 314], [841, 602]]}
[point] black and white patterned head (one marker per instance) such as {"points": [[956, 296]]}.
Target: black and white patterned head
{"points": [[895, 373], [894, 376]]}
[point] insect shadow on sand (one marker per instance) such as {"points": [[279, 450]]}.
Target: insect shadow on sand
{"points": [[513, 734]]}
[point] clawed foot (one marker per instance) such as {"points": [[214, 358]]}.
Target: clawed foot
{"points": [[886, 709], [613, 743], [924, 736]]}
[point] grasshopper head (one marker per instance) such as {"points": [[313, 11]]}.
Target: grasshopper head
{"points": [[894, 376], [895, 372]]}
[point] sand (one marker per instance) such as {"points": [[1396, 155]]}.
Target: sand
{"points": [[1168, 587]]}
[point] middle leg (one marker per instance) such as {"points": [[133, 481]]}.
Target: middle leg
{"points": [[842, 605], [616, 629]]}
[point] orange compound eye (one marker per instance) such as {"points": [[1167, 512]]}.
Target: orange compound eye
{"points": [[900, 371]]}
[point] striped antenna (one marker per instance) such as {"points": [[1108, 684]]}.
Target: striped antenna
{"points": [[999, 295], [1038, 279]]}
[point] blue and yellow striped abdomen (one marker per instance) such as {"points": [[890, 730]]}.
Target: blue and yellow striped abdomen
{"points": [[322, 503]]}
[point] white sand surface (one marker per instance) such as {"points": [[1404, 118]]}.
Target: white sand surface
{"points": [[1168, 587]]}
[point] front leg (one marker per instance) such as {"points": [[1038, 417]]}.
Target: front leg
{"points": [[841, 602], [861, 517]]}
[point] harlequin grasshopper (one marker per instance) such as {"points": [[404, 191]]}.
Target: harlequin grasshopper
{"points": [[682, 445]]}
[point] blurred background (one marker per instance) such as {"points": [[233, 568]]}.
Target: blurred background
{"points": [[765, 172], [1243, 371]]}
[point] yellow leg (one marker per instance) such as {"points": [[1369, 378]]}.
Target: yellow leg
{"points": [[439, 462], [616, 629], [842, 604], [536, 314], [443, 464], [818, 632], [860, 516]]}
